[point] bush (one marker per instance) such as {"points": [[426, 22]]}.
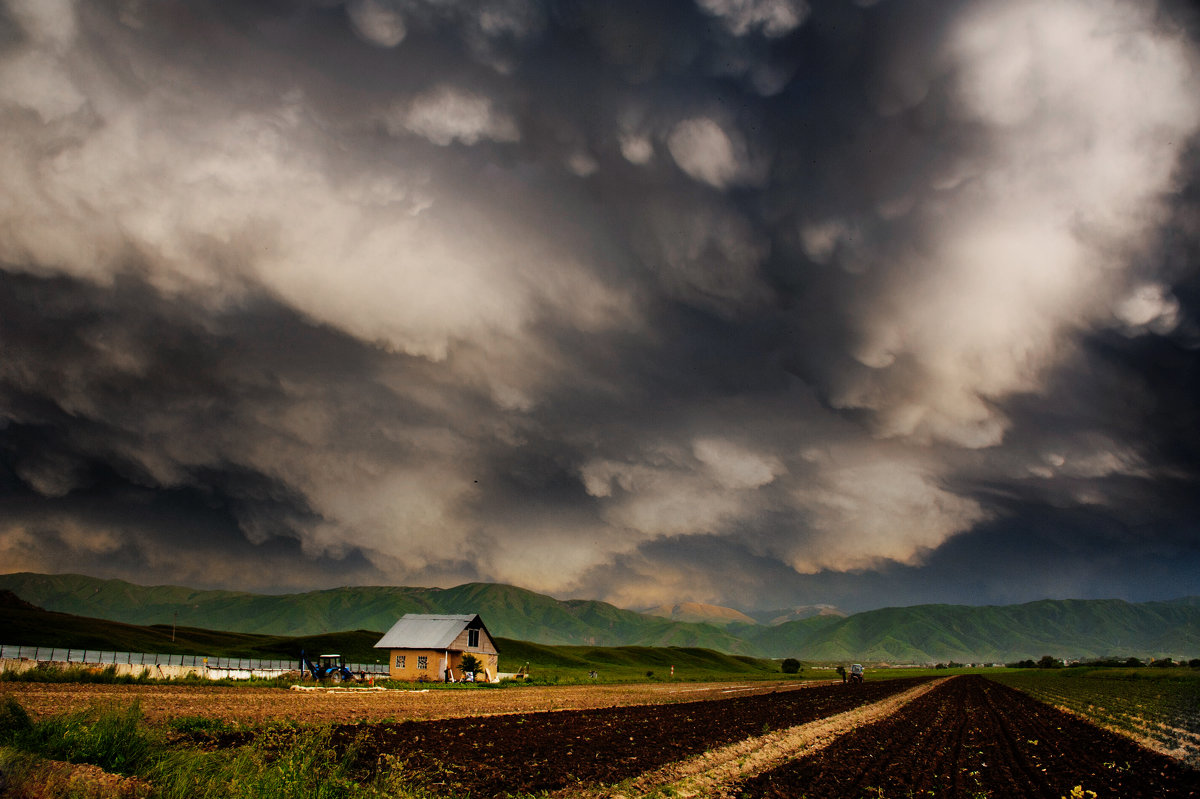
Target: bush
{"points": [[791, 666], [14, 720], [470, 663]]}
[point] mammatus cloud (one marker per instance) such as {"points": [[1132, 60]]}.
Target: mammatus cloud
{"points": [[772, 18], [376, 22], [638, 303], [446, 115], [708, 153], [1083, 111]]}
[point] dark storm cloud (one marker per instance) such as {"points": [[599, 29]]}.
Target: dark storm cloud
{"points": [[763, 302]]}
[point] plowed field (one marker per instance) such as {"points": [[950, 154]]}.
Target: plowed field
{"points": [[967, 737], [253, 705], [972, 737], [553, 751]]}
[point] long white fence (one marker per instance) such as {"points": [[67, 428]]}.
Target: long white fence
{"points": [[158, 664]]}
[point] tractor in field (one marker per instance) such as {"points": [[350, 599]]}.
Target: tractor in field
{"points": [[856, 674], [327, 667]]}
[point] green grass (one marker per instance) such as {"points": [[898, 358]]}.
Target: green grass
{"points": [[632, 663], [284, 761]]}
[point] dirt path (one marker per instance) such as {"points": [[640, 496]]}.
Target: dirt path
{"points": [[248, 705], [712, 774]]}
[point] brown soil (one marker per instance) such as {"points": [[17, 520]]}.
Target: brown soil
{"points": [[973, 737], [249, 705], [51, 779], [529, 753], [712, 773]]}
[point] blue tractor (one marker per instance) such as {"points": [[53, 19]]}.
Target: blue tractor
{"points": [[327, 667]]}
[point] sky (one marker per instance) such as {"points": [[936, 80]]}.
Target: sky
{"points": [[757, 303]]}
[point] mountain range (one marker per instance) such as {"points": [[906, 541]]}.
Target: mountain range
{"points": [[917, 634]]}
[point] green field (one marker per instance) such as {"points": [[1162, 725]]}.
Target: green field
{"points": [[1158, 704], [633, 663]]}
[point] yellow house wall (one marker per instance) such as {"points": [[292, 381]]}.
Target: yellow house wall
{"points": [[409, 670], [435, 664]]}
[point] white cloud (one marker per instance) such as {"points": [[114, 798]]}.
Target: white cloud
{"points": [[636, 148], [734, 466], [773, 17], [1084, 108], [864, 508], [664, 495], [50, 24], [1149, 307], [447, 114], [378, 23], [709, 153]]}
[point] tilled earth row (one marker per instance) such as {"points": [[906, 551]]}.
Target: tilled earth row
{"points": [[973, 737], [249, 705], [553, 751]]}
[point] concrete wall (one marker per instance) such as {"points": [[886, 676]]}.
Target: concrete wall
{"points": [[136, 670]]}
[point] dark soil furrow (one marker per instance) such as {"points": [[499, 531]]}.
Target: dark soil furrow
{"points": [[551, 751], [972, 737]]}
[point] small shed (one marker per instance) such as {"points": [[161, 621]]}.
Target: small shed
{"points": [[424, 646]]}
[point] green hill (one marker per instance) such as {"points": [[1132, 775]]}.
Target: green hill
{"points": [[929, 633], [919, 634], [509, 612], [32, 626], [36, 627]]}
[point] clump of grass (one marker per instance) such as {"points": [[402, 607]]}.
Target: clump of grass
{"points": [[14, 721], [283, 761], [110, 737]]}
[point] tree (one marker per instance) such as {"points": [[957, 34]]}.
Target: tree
{"points": [[470, 663], [1049, 662], [791, 666]]}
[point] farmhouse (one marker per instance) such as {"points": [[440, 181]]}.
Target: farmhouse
{"points": [[423, 646]]}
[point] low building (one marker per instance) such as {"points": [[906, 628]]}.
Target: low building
{"points": [[423, 646]]}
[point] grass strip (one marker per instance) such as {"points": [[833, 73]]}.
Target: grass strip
{"points": [[286, 761]]}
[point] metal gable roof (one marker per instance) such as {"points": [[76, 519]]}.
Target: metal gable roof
{"points": [[425, 631]]}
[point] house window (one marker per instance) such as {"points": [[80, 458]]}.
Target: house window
{"points": [[473, 638], [399, 661], [422, 662]]}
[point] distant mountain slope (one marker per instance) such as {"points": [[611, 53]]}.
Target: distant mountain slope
{"points": [[929, 633], [774, 617], [699, 613], [508, 611], [919, 634]]}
